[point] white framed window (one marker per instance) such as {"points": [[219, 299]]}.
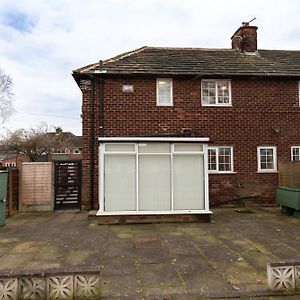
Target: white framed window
{"points": [[295, 153], [220, 159], [267, 159], [164, 92], [61, 151], [216, 92]]}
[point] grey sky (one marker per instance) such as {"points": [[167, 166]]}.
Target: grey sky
{"points": [[42, 41]]}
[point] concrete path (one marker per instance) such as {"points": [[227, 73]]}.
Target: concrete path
{"points": [[222, 259]]}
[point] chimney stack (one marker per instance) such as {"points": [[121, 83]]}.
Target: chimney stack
{"points": [[245, 39]]}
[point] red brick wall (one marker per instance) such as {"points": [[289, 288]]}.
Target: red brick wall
{"points": [[259, 105]]}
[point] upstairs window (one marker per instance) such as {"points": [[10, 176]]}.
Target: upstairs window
{"points": [[216, 92], [164, 92], [220, 159], [295, 153]]}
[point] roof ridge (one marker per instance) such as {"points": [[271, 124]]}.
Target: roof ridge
{"points": [[189, 48]]}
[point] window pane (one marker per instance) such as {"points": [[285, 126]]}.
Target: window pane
{"points": [[119, 147], [266, 159], [119, 183], [164, 87], [212, 159], [223, 91], [154, 148], [296, 154], [188, 148], [224, 159], [209, 92], [154, 182], [188, 179]]}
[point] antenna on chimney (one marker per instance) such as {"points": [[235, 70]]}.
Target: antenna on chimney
{"points": [[247, 23]]}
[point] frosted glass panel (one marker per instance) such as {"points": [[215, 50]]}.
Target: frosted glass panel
{"points": [[188, 182], [188, 147], [154, 148], [154, 182], [119, 183], [119, 147]]}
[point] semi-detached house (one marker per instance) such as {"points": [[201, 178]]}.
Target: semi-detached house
{"points": [[166, 131]]}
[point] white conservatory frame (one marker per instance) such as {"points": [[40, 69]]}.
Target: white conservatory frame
{"points": [[135, 141]]}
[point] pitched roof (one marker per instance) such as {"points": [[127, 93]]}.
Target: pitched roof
{"points": [[199, 61]]}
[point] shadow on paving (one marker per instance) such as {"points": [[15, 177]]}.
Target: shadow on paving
{"points": [[222, 259]]}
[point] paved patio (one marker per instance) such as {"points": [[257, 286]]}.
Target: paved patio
{"points": [[225, 258]]}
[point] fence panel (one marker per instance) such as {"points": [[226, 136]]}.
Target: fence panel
{"points": [[289, 174], [12, 200], [36, 187]]}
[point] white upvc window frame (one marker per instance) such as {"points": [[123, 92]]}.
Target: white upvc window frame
{"points": [[217, 160], [259, 169], [62, 151], [135, 142], [292, 156], [216, 93], [158, 103]]}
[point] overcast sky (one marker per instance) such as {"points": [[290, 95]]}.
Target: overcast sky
{"points": [[42, 41]]}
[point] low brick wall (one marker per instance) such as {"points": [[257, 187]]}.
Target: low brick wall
{"points": [[141, 219]]}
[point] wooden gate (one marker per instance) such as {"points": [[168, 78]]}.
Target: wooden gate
{"points": [[67, 184]]}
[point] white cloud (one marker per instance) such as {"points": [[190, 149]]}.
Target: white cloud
{"points": [[66, 34]]}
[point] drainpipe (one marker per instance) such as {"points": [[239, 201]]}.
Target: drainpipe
{"points": [[101, 105], [92, 144]]}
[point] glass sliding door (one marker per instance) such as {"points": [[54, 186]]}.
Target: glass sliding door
{"points": [[119, 183], [188, 182], [154, 179]]}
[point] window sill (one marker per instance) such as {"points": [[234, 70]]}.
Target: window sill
{"points": [[267, 171], [159, 104], [216, 105], [216, 172]]}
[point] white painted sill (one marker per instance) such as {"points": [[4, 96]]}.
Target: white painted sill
{"points": [[160, 104], [267, 171], [222, 172], [216, 105]]}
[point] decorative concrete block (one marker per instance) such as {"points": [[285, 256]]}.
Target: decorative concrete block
{"points": [[297, 277], [33, 288], [8, 288], [281, 277], [87, 286], [60, 287]]}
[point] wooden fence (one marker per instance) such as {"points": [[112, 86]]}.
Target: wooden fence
{"points": [[36, 187], [12, 197], [289, 174]]}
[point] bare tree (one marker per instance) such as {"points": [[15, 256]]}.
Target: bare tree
{"points": [[33, 142], [6, 108]]}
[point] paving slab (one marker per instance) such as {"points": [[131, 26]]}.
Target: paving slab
{"points": [[224, 259], [158, 275]]}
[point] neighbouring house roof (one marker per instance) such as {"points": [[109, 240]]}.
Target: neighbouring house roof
{"points": [[71, 139], [199, 62]]}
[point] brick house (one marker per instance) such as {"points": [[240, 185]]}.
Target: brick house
{"points": [[177, 126]]}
